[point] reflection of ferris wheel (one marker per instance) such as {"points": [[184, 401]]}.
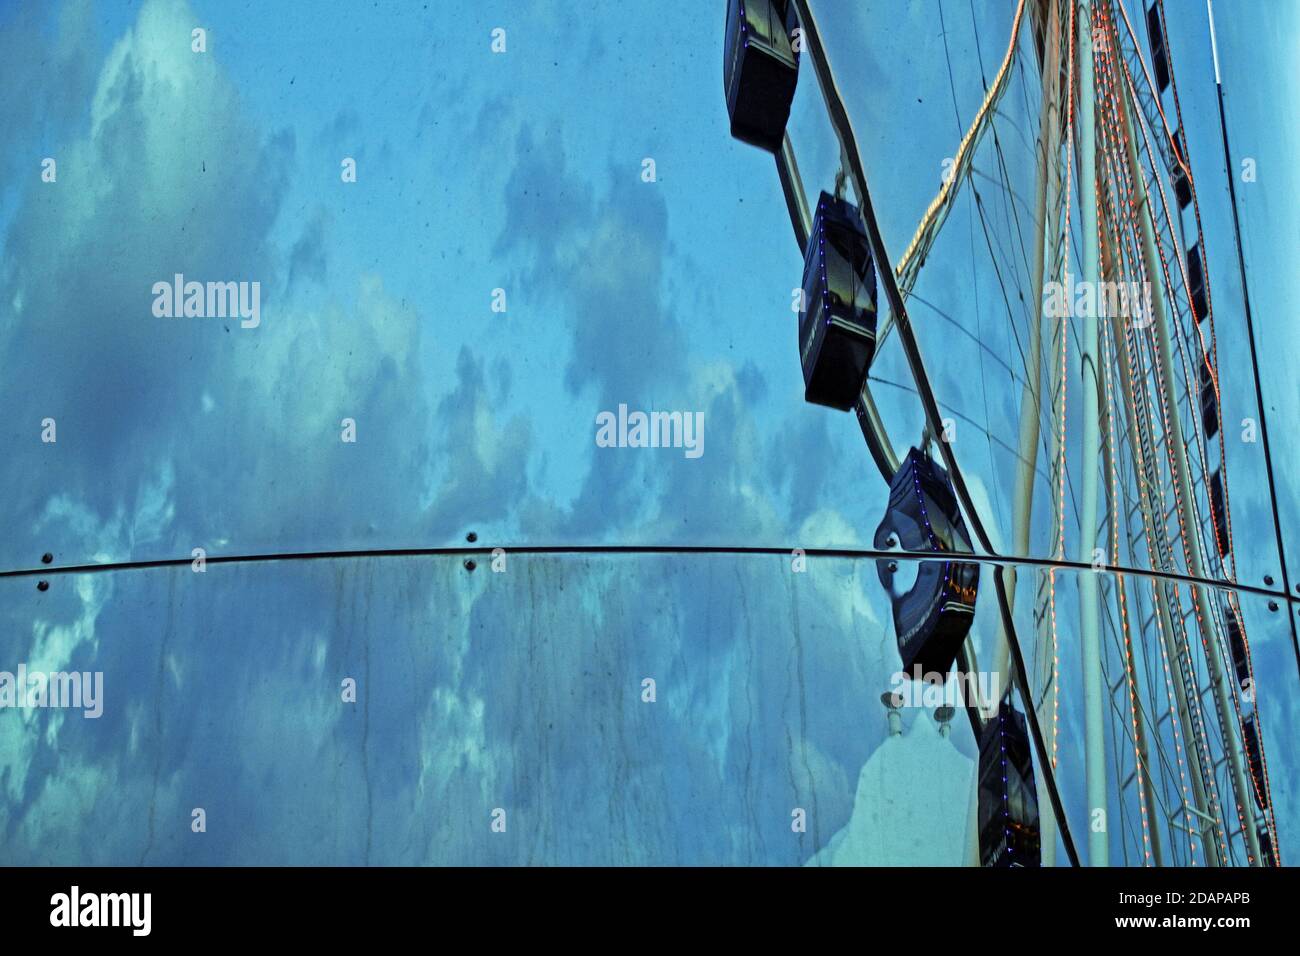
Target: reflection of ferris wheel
{"points": [[1165, 661]]}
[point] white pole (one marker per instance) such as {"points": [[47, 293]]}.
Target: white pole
{"points": [[1214, 42], [1047, 198], [1089, 596]]}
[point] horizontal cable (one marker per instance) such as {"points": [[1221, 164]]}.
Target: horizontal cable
{"points": [[1000, 560]]}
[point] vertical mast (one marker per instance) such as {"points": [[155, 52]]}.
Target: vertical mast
{"points": [[1046, 206], [1089, 597]]}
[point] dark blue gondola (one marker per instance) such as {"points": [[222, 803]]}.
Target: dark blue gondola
{"points": [[1182, 185], [1209, 401], [837, 327], [1255, 760], [759, 70], [1219, 512], [1159, 58], [1237, 645], [1008, 800], [1196, 283], [932, 619], [1266, 847]]}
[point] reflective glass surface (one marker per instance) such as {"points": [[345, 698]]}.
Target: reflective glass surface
{"points": [[381, 278], [619, 709]]}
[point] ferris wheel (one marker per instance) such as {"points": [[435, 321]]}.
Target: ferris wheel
{"points": [[1172, 735]]}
